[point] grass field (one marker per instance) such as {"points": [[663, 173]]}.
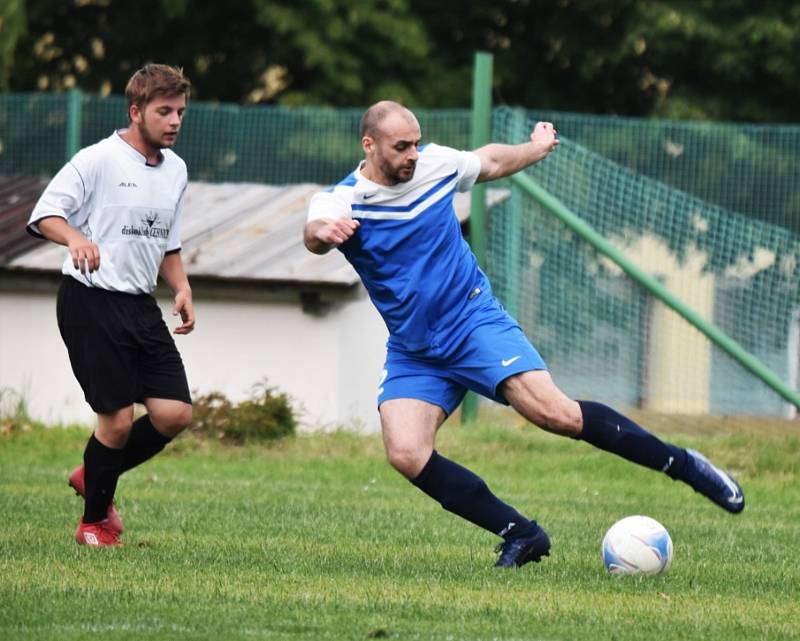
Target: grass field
{"points": [[317, 538]]}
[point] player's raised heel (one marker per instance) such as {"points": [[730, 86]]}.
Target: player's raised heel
{"points": [[77, 481], [713, 483], [517, 552], [99, 534]]}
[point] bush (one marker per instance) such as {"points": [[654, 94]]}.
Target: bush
{"points": [[266, 415], [14, 413]]}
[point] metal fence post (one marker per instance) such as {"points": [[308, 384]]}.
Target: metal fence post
{"points": [[481, 127], [74, 104]]}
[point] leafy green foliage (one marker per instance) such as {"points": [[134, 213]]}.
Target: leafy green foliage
{"points": [[252, 51], [12, 28], [735, 60], [266, 415], [704, 60]]}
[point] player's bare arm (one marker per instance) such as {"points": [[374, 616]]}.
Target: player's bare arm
{"points": [[174, 274], [85, 254], [499, 161], [320, 236]]}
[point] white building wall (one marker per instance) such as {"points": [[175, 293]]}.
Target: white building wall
{"points": [[328, 365], [362, 352], [34, 362]]}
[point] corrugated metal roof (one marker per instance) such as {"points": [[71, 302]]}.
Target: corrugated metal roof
{"points": [[246, 231], [18, 195]]}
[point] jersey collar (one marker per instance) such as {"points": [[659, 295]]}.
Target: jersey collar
{"points": [[132, 151]]}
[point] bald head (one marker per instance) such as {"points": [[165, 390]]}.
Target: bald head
{"points": [[390, 136], [375, 116]]}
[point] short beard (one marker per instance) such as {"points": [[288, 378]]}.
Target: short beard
{"points": [[394, 174], [144, 132]]}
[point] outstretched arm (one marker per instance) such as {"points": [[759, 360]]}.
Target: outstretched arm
{"points": [[499, 161]]}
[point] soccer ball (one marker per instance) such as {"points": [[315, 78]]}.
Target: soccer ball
{"points": [[637, 545]]}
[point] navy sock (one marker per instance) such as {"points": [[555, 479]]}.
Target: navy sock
{"points": [[613, 432], [102, 469], [464, 493], [144, 442]]}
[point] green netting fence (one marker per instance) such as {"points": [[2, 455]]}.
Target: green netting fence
{"points": [[602, 335], [750, 169], [711, 209], [220, 142]]}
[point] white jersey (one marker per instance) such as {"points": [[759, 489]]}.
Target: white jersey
{"points": [[129, 209]]}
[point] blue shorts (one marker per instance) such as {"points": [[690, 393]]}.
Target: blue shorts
{"points": [[488, 355]]}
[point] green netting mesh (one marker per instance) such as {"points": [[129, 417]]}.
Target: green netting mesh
{"points": [[220, 142], [712, 210], [602, 336], [32, 134], [751, 169]]}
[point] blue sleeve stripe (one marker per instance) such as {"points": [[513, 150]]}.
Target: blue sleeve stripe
{"points": [[404, 208], [350, 181]]}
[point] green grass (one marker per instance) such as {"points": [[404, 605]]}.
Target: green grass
{"points": [[317, 538]]}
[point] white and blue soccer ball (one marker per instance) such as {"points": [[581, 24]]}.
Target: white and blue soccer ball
{"points": [[637, 545]]}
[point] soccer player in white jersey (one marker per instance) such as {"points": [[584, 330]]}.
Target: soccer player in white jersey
{"points": [[117, 207], [393, 219]]}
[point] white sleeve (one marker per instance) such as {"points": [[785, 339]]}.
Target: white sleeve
{"points": [[469, 168], [328, 204], [467, 163], [63, 197], [174, 238]]}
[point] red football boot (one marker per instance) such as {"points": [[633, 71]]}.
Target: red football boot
{"points": [[78, 483], [99, 534]]}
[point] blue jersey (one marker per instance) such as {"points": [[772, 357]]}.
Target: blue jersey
{"points": [[409, 252]]}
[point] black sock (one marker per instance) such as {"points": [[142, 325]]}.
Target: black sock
{"points": [[613, 432], [102, 468], [144, 442], [464, 493]]}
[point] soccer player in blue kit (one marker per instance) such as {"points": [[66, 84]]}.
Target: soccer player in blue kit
{"points": [[393, 220]]}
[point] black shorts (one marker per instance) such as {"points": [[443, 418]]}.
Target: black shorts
{"points": [[120, 349]]}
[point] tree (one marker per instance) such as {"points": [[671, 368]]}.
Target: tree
{"points": [[12, 28], [334, 52], [733, 60]]}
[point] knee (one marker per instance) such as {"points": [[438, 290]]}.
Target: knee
{"points": [[536, 397], [409, 461], [183, 417], [117, 430], [173, 422], [559, 416], [561, 420], [113, 430]]}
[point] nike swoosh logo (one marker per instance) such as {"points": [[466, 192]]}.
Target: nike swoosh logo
{"points": [[367, 196], [506, 363]]}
